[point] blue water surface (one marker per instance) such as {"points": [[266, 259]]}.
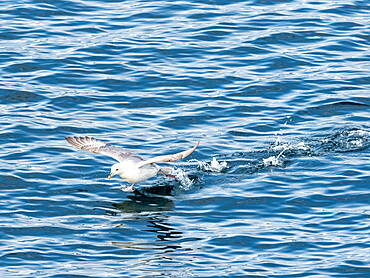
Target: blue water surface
{"points": [[277, 93]]}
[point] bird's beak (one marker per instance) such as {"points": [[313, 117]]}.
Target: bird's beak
{"points": [[110, 175]]}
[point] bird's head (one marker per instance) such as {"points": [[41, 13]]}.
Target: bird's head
{"points": [[115, 170]]}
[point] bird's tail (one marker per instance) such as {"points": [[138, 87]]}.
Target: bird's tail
{"points": [[166, 171]]}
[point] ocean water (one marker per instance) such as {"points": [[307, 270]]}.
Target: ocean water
{"points": [[277, 93]]}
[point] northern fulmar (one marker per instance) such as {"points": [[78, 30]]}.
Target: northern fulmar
{"points": [[130, 167]]}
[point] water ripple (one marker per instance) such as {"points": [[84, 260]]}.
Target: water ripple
{"points": [[277, 93]]}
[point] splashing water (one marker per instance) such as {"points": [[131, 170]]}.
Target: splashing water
{"points": [[275, 160], [284, 149], [127, 188], [213, 166], [345, 141], [183, 178], [341, 141]]}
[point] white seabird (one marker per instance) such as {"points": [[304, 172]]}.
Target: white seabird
{"points": [[131, 167]]}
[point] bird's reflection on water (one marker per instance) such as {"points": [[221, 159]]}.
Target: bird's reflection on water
{"points": [[157, 198], [151, 204], [167, 237]]}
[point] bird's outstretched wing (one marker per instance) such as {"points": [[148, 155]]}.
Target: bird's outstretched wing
{"points": [[169, 157], [93, 145]]}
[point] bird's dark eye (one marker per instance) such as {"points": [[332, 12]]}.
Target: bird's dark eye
{"points": [[116, 169]]}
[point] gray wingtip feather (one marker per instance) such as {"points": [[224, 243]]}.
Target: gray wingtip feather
{"points": [[93, 145], [83, 142]]}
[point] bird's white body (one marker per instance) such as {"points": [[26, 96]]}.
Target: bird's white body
{"points": [[130, 172]]}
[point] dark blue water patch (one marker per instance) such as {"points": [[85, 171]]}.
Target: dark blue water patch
{"points": [[345, 269], [270, 2], [333, 107], [285, 62], [13, 96], [12, 182], [38, 12], [289, 38], [25, 67], [349, 10], [342, 46], [270, 89], [346, 26], [77, 101], [315, 201], [72, 7], [344, 140]]}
